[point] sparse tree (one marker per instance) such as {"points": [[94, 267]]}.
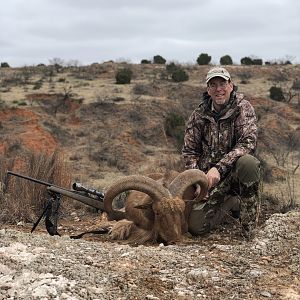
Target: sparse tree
{"points": [[282, 89], [174, 125], [203, 59], [57, 63], [290, 93], [5, 65], [124, 76], [287, 60], [279, 76], [257, 61], [171, 67], [179, 75], [226, 60], [157, 59], [276, 93], [296, 84], [145, 61], [73, 63], [246, 61], [244, 75]]}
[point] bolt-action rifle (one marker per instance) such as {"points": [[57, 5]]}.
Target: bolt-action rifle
{"points": [[79, 192]]}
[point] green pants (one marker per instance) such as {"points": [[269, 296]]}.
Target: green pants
{"points": [[237, 193]]}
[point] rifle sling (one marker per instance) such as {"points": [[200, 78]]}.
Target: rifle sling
{"points": [[99, 231]]}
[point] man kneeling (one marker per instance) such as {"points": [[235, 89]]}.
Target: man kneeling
{"points": [[220, 139]]}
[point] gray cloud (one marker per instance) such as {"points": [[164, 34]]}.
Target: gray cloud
{"points": [[35, 31]]}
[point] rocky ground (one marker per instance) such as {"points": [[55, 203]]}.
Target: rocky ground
{"points": [[220, 265]]}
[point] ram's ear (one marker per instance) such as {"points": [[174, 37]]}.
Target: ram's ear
{"points": [[144, 206]]}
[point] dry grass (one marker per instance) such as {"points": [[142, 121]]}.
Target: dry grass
{"points": [[108, 138], [23, 200]]}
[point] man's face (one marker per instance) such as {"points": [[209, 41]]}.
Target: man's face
{"points": [[219, 89]]}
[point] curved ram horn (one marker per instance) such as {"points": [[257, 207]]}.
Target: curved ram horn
{"points": [[133, 182], [187, 178]]}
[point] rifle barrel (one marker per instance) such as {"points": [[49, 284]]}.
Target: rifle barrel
{"points": [[29, 178]]}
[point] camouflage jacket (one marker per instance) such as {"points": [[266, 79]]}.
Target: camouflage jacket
{"points": [[215, 139]]}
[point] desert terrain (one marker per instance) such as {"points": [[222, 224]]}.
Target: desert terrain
{"points": [[104, 131]]}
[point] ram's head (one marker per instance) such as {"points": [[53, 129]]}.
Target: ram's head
{"points": [[161, 212]]}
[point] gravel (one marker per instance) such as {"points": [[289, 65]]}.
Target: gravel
{"points": [[217, 266]]}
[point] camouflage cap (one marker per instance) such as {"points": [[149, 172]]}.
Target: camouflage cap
{"points": [[217, 72]]}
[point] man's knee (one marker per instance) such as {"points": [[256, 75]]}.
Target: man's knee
{"points": [[248, 170]]}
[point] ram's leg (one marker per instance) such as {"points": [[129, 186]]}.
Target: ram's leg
{"points": [[121, 230]]}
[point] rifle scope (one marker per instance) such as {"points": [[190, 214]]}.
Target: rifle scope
{"points": [[80, 188]]}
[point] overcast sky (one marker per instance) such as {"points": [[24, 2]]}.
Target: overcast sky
{"points": [[35, 31]]}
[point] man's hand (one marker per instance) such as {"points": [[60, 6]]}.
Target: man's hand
{"points": [[213, 177]]}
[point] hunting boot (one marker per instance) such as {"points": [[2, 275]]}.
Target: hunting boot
{"points": [[208, 215]]}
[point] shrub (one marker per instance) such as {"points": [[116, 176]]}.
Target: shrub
{"points": [[180, 75], [226, 60], [145, 61], [171, 67], [175, 125], [279, 76], [246, 61], [276, 93], [251, 61], [296, 84], [280, 61], [4, 65], [244, 75], [266, 170], [203, 59], [143, 89], [173, 120], [124, 76], [157, 59], [257, 61], [38, 84]]}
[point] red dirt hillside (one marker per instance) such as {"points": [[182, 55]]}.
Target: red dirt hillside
{"points": [[22, 126]]}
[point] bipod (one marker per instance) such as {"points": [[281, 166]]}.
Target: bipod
{"points": [[51, 214]]}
